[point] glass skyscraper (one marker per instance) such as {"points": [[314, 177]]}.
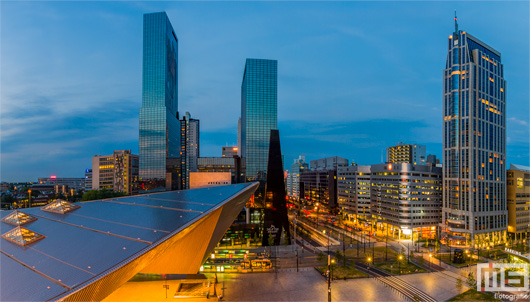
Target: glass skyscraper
{"points": [[474, 146], [159, 124], [259, 102]]}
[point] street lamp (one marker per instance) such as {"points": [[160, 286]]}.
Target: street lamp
{"points": [[430, 260], [317, 209], [399, 263], [329, 278], [369, 260], [332, 262]]}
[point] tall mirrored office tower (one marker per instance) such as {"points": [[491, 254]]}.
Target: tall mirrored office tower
{"points": [[474, 146], [259, 102], [159, 124]]}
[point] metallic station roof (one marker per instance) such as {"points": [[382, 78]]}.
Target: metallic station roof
{"points": [[85, 242]]}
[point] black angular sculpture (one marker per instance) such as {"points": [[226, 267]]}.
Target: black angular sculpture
{"points": [[275, 219]]}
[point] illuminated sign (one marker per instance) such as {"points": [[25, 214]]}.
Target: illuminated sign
{"points": [[53, 177]]}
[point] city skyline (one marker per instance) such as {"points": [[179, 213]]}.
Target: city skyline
{"points": [[324, 108]]}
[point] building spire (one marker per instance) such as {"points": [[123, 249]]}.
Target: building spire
{"points": [[456, 25]]}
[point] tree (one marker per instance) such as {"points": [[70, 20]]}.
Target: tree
{"points": [[7, 200], [99, 194], [471, 281], [338, 256], [427, 243], [459, 284], [320, 256]]}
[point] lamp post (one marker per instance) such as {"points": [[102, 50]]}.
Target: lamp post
{"points": [[430, 260], [369, 260], [332, 263], [329, 278], [29, 199], [317, 208]]}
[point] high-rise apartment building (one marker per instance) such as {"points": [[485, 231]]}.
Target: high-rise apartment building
{"points": [[406, 153], [117, 172], [259, 101], [159, 124], [474, 145], [189, 144], [518, 198]]}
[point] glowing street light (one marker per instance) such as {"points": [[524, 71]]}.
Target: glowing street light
{"points": [[430, 260]]}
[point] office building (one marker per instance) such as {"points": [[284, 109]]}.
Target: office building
{"points": [[407, 199], [71, 182], [328, 163], [233, 165], [353, 190], [293, 178], [259, 103], [230, 151], [159, 123], [406, 153], [117, 172], [239, 137], [189, 144], [319, 187], [319, 183], [474, 146], [433, 161], [209, 179], [518, 199], [88, 179]]}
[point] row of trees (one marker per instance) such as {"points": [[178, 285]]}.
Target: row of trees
{"points": [[101, 194]]}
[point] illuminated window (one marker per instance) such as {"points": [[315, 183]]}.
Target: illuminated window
{"points": [[22, 236], [60, 206], [18, 218]]}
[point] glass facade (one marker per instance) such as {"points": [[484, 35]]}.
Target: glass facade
{"points": [[474, 146], [259, 102], [159, 124]]}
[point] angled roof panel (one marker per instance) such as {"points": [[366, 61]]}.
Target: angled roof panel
{"points": [[22, 284], [102, 244]]}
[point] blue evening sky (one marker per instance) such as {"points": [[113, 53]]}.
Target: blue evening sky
{"points": [[353, 77]]}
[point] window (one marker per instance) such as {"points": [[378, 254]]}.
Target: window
{"points": [[18, 218], [60, 206], [22, 236]]}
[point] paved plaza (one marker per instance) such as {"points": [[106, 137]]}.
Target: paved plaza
{"points": [[288, 285]]}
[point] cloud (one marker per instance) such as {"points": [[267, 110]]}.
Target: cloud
{"points": [[518, 121]]}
